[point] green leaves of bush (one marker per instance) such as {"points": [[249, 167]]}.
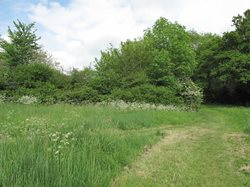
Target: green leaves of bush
{"points": [[80, 95]]}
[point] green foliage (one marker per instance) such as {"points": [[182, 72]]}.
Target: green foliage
{"points": [[79, 95], [148, 69], [206, 47], [81, 78], [153, 69], [46, 92], [148, 93], [224, 64], [34, 74], [36, 79], [242, 35], [4, 74], [124, 67], [173, 57], [234, 57], [22, 46], [25, 69], [29, 75]]}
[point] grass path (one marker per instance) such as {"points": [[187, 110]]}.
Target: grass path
{"points": [[191, 156]]}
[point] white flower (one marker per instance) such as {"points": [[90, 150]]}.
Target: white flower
{"points": [[27, 100]]}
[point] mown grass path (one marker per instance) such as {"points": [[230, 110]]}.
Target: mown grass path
{"points": [[191, 156]]}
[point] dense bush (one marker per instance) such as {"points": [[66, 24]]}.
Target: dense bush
{"points": [[33, 75], [80, 95], [147, 93]]}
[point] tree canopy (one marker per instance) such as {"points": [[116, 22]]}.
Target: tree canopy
{"points": [[224, 63], [22, 46]]}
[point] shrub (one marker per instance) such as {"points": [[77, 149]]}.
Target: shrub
{"points": [[80, 95], [148, 94], [192, 95], [122, 94], [46, 93], [27, 100]]}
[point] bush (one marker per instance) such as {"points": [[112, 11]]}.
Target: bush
{"points": [[46, 93], [80, 95], [148, 94], [122, 94], [192, 95], [27, 100]]}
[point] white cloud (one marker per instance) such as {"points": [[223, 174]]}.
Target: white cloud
{"points": [[75, 34]]}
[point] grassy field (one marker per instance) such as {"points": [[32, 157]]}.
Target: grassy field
{"points": [[63, 145]]}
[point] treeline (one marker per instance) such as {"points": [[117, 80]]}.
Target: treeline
{"points": [[223, 69], [168, 65]]}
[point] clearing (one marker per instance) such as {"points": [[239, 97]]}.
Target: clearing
{"points": [[64, 145]]}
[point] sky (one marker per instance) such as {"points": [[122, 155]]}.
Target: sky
{"points": [[75, 31]]}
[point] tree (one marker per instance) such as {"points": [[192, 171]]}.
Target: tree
{"points": [[174, 57], [123, 67], [242, 32], [224, 64], [206, 48], [233, 71], [22, 46], [155, 68]]}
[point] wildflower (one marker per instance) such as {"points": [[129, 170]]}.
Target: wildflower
{"points": [[27, 100]]}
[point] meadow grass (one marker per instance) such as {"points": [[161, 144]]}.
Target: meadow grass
{"points": [[64, 145]]}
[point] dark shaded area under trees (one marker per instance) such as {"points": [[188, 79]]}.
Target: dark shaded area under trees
{"points": [[168, 65]]}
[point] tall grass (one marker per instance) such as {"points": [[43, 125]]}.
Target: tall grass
{"points": [[67, 146], [64, 145]]}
